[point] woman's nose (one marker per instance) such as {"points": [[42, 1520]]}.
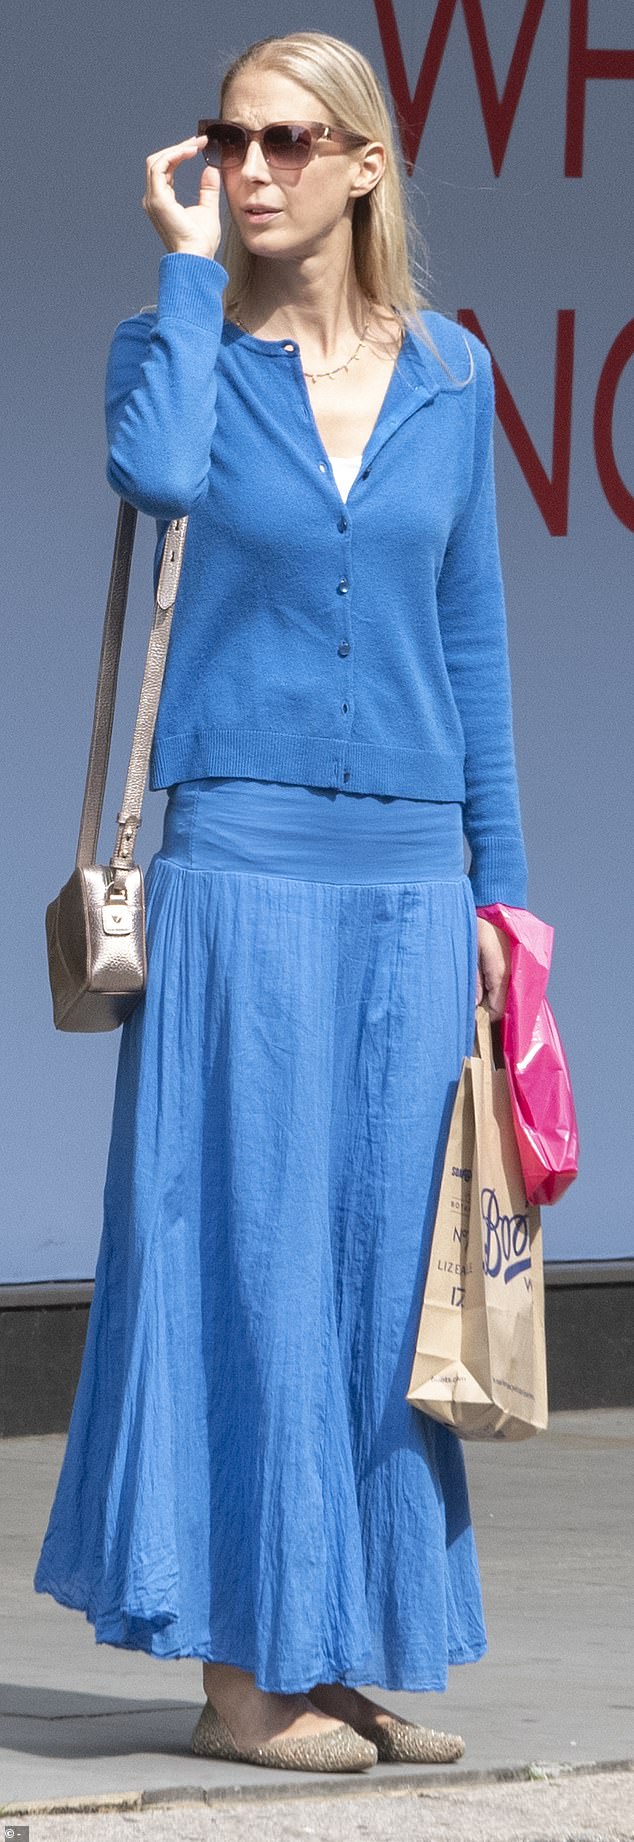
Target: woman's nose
{"points": [[254, 163]]}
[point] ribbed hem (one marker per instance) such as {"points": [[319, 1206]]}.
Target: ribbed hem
{"points": [[190, 289], [317, 761], [499, 872]]}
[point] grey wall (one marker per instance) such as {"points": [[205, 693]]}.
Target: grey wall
{"points": [[87, 94]]}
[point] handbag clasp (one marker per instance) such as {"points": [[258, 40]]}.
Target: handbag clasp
{"points": [[116, 913]]}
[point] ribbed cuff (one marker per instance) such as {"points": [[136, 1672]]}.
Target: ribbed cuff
{"points": [[190, 289], [499, 872]]}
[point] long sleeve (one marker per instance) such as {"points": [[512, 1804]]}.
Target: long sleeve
{"points": [[472, 617], [160, 391]]}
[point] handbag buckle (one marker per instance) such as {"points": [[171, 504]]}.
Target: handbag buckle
{"points": [[127, 828], [116, 913]]}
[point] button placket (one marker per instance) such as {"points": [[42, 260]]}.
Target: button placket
{"points": [[344, 649], [344, 646]]}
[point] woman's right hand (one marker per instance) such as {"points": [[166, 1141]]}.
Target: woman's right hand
{"points": [[195, 229]]}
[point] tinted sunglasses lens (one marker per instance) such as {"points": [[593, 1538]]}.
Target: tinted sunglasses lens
{"points": [[225, 146], [287, 145]]}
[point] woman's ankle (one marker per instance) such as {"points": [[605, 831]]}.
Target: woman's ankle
{"points": [[226, 1680]]}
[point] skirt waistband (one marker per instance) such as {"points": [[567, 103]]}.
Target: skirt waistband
{"points": [[277, 828]]}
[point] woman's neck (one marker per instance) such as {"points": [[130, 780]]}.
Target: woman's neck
{"points": [[323, 327], [315, 298]]}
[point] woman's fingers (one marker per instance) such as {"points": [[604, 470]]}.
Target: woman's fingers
{"points": [[494, 966], [195, 228], [496, 1000], [170, 156]]}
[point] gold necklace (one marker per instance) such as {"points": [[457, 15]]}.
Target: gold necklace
{"points": [[313, 375]]}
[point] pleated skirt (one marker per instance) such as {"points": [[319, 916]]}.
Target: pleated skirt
{"points": [[243, 1480]]}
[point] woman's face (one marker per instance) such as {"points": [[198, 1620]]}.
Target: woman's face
{"points": [[309, 202]]}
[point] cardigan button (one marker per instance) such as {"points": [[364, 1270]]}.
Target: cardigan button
{"points": [[343, 648], [342, 586], [342, 523]]}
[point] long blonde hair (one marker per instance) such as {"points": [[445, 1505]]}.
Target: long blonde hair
{"points": [[385, 236]]}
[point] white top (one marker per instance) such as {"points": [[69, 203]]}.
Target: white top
{"points": [[345, 468]]}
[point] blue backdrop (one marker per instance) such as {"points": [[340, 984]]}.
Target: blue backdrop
{"points": [[87, 95]]}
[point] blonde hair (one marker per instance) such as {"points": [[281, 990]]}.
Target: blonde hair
{"points": [[385, 235]]}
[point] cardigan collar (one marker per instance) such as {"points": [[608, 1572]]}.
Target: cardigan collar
{"points": [[417, 378], [415, 360]]}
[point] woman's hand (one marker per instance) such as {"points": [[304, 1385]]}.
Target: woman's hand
{"points": [[195, 229], [494, 966]]}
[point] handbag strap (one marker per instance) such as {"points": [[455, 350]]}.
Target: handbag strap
{"points": [[129, 817]]}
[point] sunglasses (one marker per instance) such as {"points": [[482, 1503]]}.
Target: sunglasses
{"points": [[285, 144]]}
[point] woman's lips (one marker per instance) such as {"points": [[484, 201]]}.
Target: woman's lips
{"points": [[250, 211]]}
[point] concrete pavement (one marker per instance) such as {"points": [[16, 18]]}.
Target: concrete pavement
{"points": [[585, 1807], [554, 1519]]}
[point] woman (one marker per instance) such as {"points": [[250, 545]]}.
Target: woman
{"points": [[244, 1480]]}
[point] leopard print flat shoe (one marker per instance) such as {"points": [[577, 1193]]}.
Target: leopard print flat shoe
{"points": [[404, 1742], [338, 1749]]}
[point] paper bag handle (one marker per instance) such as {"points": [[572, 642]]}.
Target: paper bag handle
{"points": [[487, 1041]]}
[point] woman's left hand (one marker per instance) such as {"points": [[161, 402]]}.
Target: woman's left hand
{"points": [[494, 966]]}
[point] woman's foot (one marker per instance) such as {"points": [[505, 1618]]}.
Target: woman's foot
{"points": [[255, 1715], [397, 1741], [348, 1704]]}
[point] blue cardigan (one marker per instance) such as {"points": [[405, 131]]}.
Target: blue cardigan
{"points": [[358, 645]]}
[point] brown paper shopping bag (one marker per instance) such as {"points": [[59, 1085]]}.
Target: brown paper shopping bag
{"points": [[480, 1362]]}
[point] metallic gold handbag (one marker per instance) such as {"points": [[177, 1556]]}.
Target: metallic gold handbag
{"points": [[95, 927]]}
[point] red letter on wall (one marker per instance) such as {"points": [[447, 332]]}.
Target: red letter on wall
{"points": [[616, 492], [550, 493], [585, 62], [498, 112]]}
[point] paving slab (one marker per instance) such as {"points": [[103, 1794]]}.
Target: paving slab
{"points": [[554, 1519]]}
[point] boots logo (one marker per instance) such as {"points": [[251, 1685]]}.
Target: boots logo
{"points": [[506, 1240]]}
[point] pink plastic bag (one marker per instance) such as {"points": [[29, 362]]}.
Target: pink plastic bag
{"points": [[538, 1074]]}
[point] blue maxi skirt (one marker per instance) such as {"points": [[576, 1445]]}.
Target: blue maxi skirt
{"points": [[243, 1479]]}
